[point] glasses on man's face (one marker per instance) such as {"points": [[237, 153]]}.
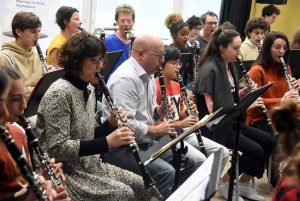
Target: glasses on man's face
{"points": [[97, 59], [211, 23], [176, 64], [278, 47], [159, 55], [196, 28], [124, 21]]}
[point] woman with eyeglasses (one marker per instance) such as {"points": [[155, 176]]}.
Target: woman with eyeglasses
{"points": [[194, 26], [68, 20], [169, 70], [217, 86], [268, 68], [67, 128], [179, 31]]}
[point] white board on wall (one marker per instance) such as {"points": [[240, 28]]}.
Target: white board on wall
{"points": [[44, 9]]}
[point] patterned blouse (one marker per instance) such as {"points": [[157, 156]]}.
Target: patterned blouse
{"points": [[66, 118]]}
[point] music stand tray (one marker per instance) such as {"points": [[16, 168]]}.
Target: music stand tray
{"points": [[203, 183], [39, 91], [242, 105], [112, 59], [184, 58], [247, 64]]}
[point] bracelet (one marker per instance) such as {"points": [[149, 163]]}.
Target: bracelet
{"points": [[155, 111]]}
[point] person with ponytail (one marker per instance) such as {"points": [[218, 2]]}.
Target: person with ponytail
{"points": [[217, 86], [179, 31], [286, 121]]}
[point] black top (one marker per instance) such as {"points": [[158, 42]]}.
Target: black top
{"points": [[99, 144], [213, 80]]}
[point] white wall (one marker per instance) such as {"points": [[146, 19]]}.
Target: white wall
{"points": [[150, 15]]}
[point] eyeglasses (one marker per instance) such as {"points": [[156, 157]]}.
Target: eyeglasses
{"points": [[197, 29], [176, 64], [97, 59], [211, 23], [159, 55], [123, 21], [278, 47]]}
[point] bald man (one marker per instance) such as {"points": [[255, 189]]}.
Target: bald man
{"points": [[132, 86]]}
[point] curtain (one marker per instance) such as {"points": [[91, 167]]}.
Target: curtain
{"points": [[237, 12]]}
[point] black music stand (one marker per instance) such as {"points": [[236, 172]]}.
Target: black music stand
{"points": [[112, 59], [184, 58], [40, 89], [247, 64], [294, 62], [237, 115], [203, 183]]}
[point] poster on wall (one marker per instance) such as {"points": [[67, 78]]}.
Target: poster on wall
{"points": [[44, 9]]}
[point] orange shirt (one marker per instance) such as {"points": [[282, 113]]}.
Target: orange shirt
{"points": [[9, 173], [271, 96], [173, 94]]}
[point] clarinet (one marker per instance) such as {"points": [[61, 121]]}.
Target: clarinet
{"points": [[186, 101], [19, 158], [288, 77], [196, 47], [129, 36], [250, 83], [43, 157], [165, 101], [148, 181], [259, 46], [44, 64]]}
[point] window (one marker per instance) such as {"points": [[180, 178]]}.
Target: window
{"points": [[150, 15], [198, 7]]}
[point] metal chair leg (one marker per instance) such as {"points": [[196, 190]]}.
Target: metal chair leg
{"points": [[269, 175], [237, 178]]}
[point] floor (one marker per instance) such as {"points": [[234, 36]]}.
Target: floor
{"points": [[260, 184]]}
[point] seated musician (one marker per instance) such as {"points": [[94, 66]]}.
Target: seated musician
{"points": [[217, 86], [68, 131], [132, 86], [169, 70], [21, 54], [11, 106], [68, 20]]}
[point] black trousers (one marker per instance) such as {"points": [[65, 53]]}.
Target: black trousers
{"points": [[256, 147]]}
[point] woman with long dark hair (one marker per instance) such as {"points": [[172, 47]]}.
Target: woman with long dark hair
{"points": [[268, 68], [217, 86]]}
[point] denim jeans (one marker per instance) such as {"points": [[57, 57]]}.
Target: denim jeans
{"points": [[189, 85], [161, 169]]}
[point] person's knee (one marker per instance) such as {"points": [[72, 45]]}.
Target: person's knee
{"points": [[225, 152], [256, 153], [162, 173]]}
